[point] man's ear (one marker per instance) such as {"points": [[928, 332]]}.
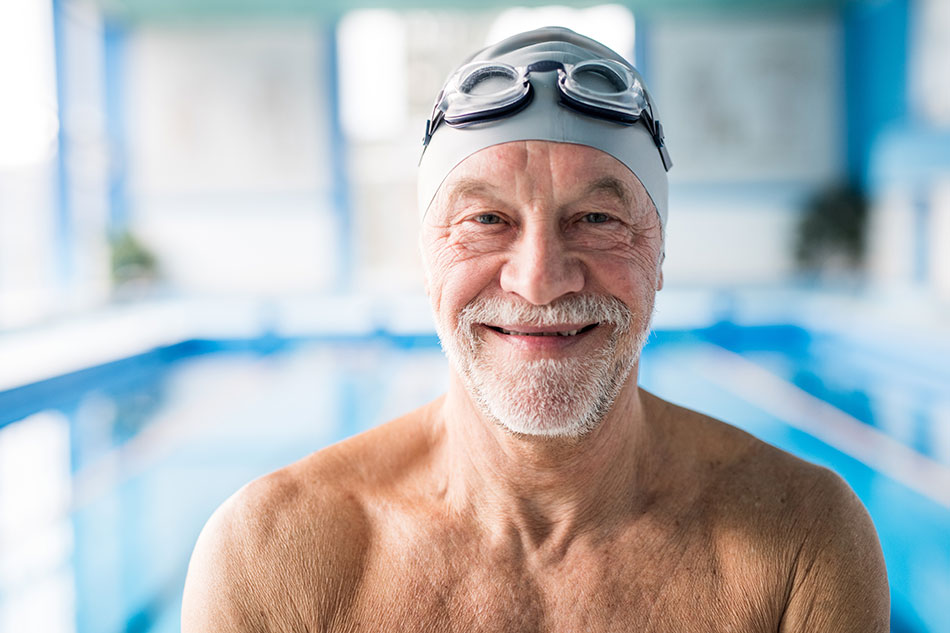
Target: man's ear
{"points": [[659, 272]]}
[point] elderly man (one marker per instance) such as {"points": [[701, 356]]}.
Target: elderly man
{"points": [[545, 491]]}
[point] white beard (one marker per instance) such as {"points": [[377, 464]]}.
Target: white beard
{"points": [[547, 397]]}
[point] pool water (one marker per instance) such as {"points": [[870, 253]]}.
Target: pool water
{"points": [[106, 478]]}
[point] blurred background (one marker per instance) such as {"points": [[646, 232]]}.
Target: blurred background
{"points": [[208, 260]]}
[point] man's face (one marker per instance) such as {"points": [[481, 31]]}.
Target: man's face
{"points": [[542, 262]]}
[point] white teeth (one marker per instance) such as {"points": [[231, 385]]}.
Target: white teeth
{"points": [[568, 333]]}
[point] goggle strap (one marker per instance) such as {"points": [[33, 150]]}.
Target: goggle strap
{"points": [[431, 124], [433, 121], [660, 140], [665, 156]]}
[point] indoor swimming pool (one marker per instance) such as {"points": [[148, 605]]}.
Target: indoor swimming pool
{"points": [[108, 474]]}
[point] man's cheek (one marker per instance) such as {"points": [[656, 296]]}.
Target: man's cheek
{"points": [[636, 267], [435, 273], [441, 256]]}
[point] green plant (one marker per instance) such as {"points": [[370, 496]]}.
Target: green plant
{"points": [[131, 260], [831, 232]]}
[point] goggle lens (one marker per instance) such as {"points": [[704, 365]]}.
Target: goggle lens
{"points": [[479, 91], [599, 79], [489, 80]]}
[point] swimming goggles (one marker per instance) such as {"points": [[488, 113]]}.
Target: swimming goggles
{"points": [[603, 88]]}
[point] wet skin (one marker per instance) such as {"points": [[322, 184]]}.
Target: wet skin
{"points": [[661, 519]]}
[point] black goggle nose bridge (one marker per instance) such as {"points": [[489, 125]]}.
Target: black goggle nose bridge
{"points": [[544, 66], [565, 99]]}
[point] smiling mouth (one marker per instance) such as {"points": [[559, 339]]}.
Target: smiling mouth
{"points": [[586, 328]]}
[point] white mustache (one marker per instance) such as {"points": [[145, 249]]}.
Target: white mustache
{"points": [[573, 309]]}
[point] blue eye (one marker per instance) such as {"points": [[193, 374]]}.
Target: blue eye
{"points": [[487, 218], [596, 218]]}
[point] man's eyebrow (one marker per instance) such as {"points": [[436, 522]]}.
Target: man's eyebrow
{"points": [[468, 187], [475, 187], [615, 187]]}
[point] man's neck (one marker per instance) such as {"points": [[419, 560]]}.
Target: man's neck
{"points": [[545, 491]]}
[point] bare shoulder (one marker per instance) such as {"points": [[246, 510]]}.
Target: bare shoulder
{"points": [[839, 580], [287, 551], [737, 465], [280, 554], [806, 517]]}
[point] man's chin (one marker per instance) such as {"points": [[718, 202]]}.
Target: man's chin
{"points": [[536, 419], [547, 429], [566, 399]]}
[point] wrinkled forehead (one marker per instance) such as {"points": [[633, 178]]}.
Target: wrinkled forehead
{"points": [[535, 169]]}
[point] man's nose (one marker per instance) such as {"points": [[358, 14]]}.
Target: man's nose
{"points": [[540, 267]]}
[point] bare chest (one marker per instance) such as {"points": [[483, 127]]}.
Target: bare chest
{"points": [[659, 584]]}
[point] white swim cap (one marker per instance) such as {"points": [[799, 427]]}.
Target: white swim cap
{"points": [[579, 92]]}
